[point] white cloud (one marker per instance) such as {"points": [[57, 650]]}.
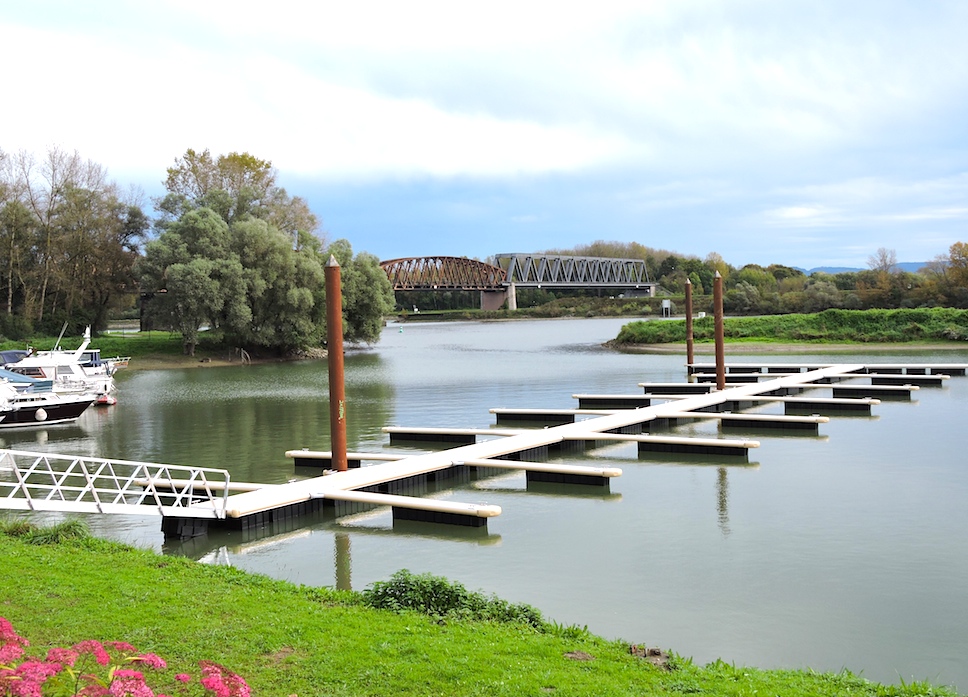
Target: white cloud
{"points": [[745, 118]]}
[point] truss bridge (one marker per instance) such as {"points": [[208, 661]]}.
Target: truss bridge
{"points": [[559, 271], [497, 282], [443, 273]]}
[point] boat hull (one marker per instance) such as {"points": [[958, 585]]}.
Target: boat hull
{"points": [[44, 414]]}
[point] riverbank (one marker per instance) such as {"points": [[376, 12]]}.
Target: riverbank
{"points": [[867, 327], [804, 347], [286, 639]]}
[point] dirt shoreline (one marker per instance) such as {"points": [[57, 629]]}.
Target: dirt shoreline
{"points": [[164, 361]]}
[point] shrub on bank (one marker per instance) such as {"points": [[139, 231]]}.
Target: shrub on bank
{"points": [[441, 598]]}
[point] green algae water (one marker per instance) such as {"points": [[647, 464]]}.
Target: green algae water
{"points": [[844, 549]]}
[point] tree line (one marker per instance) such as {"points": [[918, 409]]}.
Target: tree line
{"points": [[780, 289], [229, 250]]}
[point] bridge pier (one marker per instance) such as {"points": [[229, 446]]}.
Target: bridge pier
{"points": [[495, 299]]}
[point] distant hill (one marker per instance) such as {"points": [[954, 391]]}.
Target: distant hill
{"points": [[909, 266]]}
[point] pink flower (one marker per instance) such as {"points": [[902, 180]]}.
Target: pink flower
{"points": [[96, 649], [7, 633], [150, 659], [65, 657], [122, 646], [10, 653], [129, 683], [11, 644], [222, 681], [29, 676], [183, 677]]}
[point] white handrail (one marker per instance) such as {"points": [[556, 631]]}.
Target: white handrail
{"points": [[71, 483]]}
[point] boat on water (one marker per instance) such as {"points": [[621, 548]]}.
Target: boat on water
{"points": [[38, 405], [80, 371]]}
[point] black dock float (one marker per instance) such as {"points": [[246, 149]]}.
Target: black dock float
{"points": [[734, 378], [437, 517], [851, 406], [562, 478], [747, 424], [615, 401], [677, 388], [692, 449], [534, 417], [909, 379], [884, 392]]}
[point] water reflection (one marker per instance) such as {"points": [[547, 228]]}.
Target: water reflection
{"points": [[344, 571], [722, 500]]}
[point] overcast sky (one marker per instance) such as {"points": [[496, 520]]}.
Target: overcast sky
{"points": [[806, 133]]}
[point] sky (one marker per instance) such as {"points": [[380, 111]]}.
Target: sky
{"points": [[800, 132]]}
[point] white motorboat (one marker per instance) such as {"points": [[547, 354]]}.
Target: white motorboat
{"points": [[39, 406], [79, 371]]}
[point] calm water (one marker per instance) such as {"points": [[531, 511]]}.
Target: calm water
{"points": [[845, 550]]}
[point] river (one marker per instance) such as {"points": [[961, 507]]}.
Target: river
{"points": [[843, 550]]}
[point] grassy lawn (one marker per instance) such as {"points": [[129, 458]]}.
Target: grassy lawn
{"points": [[295, 640]]}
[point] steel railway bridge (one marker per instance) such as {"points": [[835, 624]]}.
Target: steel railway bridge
{"points": [[497, 282]]}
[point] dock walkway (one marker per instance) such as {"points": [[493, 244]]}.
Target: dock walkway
{"points": [[190, 500]]}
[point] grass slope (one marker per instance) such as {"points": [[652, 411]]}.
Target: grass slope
{"points": [[863, 326], [291, 640]]}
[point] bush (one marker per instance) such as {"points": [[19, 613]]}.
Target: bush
{"points": [[438, 597]]}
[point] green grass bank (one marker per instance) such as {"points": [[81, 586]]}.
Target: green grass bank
{"points": [[829, 326], [61, 586]]}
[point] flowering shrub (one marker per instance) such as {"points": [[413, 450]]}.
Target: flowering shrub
{"points": [[93, 669]]}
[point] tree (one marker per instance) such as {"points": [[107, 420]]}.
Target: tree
{"points": [[69, 239], [265, 265], [367, 293], [958, 264], [186, 273], [884, 260], [233, 185]]}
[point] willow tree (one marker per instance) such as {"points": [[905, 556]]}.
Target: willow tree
{"points": [[263, 271]]}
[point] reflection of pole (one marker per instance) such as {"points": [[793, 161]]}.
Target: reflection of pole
{"points": [[334, 349], [718, 312], [343, 570], [689, 355], [722, 494]]}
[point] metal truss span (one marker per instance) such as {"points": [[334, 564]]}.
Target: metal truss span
{"points": [[442, 273], [573, 272]]}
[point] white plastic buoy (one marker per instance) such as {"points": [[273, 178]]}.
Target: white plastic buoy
{"points": [[40, 414]]}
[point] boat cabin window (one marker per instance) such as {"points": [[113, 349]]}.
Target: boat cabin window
{"points": [[91, 359], [68, 370], [29, 372]]}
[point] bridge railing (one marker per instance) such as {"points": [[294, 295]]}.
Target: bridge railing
{"points": [[74, 484]]}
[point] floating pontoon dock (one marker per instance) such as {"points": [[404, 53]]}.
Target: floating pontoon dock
{"points": [[191, 499]]}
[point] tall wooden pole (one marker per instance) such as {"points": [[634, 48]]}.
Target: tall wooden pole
{"points": [[718, 313], [334, 350], [689, 347]]}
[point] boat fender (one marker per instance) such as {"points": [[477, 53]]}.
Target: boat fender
{"points": [[40, 414]]}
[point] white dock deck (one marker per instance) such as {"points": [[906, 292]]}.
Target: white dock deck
{"points": [[177, 493], [511, 441]]}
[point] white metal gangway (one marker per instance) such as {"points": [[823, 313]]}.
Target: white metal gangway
{"points": [[76, 484]]}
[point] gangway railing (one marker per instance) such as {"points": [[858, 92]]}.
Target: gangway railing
{"points": [[77, 484]]}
